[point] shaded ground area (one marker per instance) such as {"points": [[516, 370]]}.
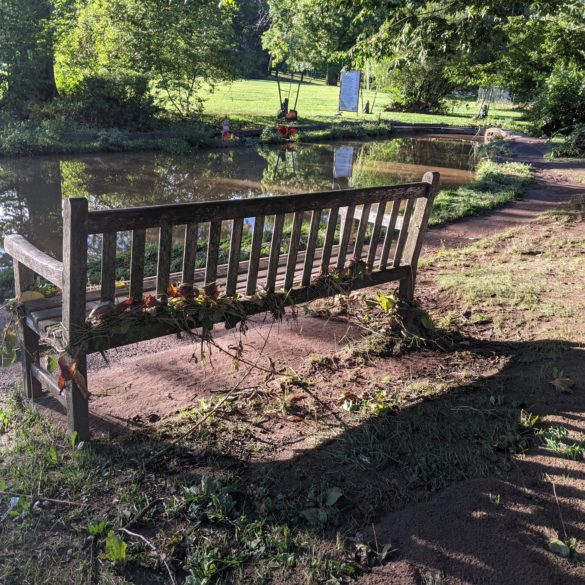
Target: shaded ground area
{"points": [[463, 454]]}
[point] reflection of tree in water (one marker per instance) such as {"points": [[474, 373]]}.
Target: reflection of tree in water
{"points": [[146, 179], [30, 201], [308, 168], [456, 154]]}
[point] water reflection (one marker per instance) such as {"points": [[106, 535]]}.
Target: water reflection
{"points": [[31, 190]]}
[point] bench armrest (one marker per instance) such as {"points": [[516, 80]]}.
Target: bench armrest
{"points": [[25, 253]]}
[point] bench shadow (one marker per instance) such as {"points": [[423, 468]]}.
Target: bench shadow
{"points": [[436, 453]]}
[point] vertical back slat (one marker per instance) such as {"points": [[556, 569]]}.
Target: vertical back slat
{"points": [[75, 232], [137, 264], [311, 244], [345, 236], [255, 255], [389, 234], [293, 250], [376, 234], [330, 234], [234, 258], [163, 271], [403, 232], [416, 233], [361, 234], [274, 251], [190, 252], [212, 253], [108, 286]]}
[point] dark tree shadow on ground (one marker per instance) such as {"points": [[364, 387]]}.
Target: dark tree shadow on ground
{"points": [[450, 454]]}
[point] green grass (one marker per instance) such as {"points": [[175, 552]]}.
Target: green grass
{"points": [[496, 184], [253, 103]]}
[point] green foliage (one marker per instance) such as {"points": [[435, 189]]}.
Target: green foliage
{"points": [[573, 146], [119, 99], [560, 105], [115, 548], [496, 183], [6, 283]]}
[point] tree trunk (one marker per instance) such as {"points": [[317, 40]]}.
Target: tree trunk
{"points": [[331, 74]]}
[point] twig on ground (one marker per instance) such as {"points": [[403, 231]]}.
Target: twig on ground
{"points": [[153, 548], [43, 499], [224, 399], [142, 512]]}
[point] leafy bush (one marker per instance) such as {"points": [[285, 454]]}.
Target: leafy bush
{"points": [[419, 87], [6, 283], [32, 136], [573, 146], [561, 102], [118, 100]]}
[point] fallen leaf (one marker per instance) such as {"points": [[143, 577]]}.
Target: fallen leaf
{"points": [[30, 295], [69, 372], [559, 547], [348, 396], [294, 397], [563, 385]]}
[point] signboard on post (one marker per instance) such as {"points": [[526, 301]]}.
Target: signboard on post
{"points": [[349, 91]]}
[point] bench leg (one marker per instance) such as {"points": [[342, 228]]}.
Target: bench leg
{"points": [[29, 350], [77, 406], [406, 288]]}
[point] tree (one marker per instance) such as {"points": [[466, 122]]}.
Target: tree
{"points": [[27, 53], [308, 34]]}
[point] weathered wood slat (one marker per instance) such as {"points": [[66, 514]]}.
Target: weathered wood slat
{"points": [[361, 234], [137, 264], [376, 234], [345, 236], [155, 216], [47, 382], [300, 295], [163, 269], [38, 262], [190, 252], [403, 233], [311, 243], [75, 234], [108, 278], [293, 249], [212, 253], [275, 243], [257, 238], [417, 229], [234, 258], [329, 235], [389, 235]]}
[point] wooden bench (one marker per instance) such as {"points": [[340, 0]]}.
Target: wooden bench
{"points": [[308, 224]]}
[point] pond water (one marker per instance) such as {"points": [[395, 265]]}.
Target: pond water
{"points": [[32, 189]]}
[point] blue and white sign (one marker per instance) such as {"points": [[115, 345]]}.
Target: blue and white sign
{"points": [[349, 91]]}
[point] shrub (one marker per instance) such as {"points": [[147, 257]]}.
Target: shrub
{"points": [[419, 87], [573, 146], [32, 136], [113, 100], [6, 283], [560, 104]]}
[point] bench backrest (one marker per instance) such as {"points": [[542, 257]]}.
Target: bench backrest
{"points": [[274, 243]]}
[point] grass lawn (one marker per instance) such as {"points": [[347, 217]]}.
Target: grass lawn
{"points": [[255, 102]]}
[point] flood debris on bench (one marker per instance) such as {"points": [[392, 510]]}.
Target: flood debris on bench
{"points": [[240, 257]]}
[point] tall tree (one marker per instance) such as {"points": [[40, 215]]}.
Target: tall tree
{"points": [[27, 52]]}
